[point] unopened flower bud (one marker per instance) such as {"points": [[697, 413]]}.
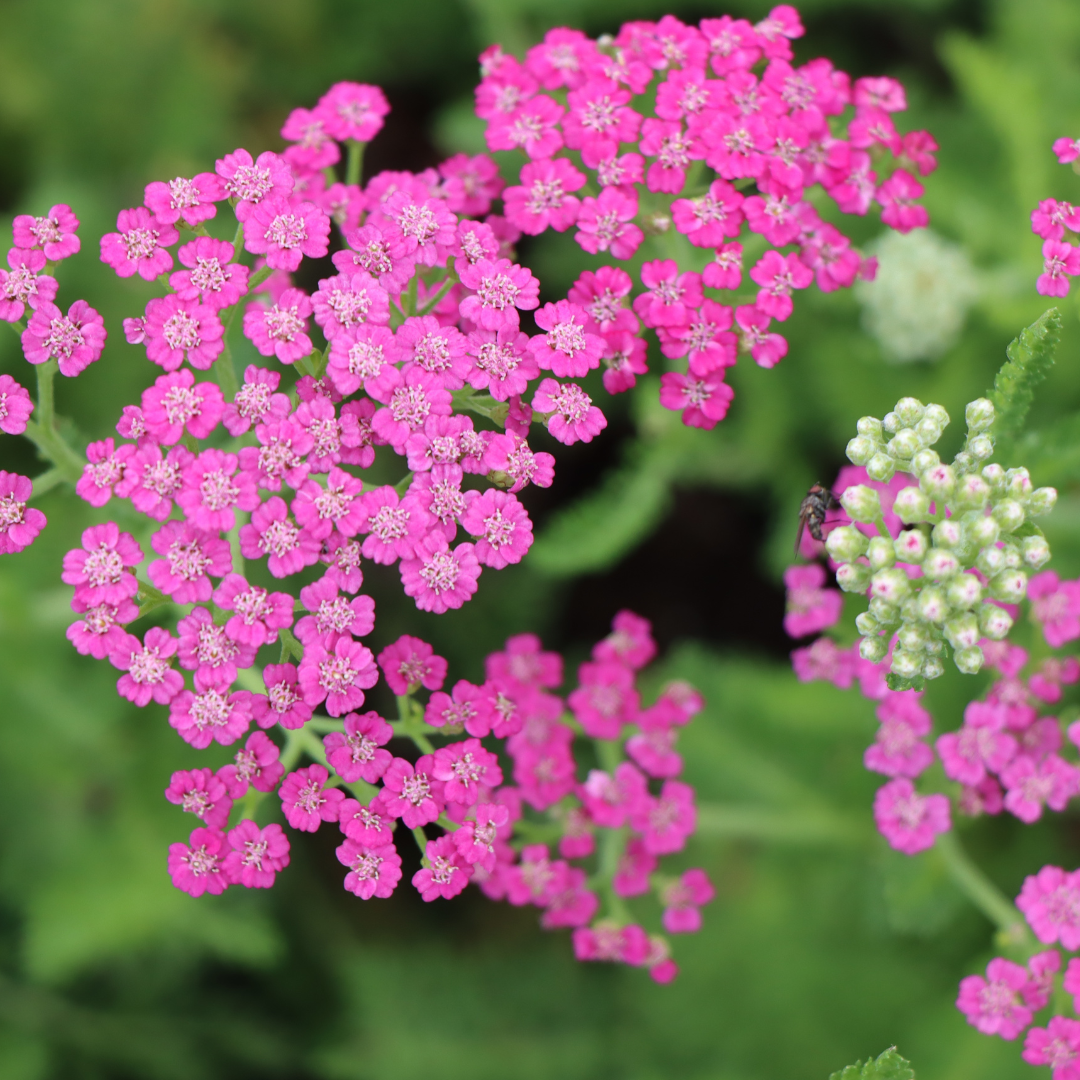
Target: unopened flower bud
{"points": [[862, 503], [979, 414], [972, 492], [1035, 551], [873, 649], [846, 544], [933, 668], [911, 505], [994, 622], [964, 463], [870, 427], [991, 561], [904, 444], [913, 637], [1009, 585], [867, 625], [1009, 514], [936, 414], [980, 447], [881, 468], [962, 631], [923, 460], [887, 614], [911, 546], [969, 660], [948, 533], [1018, 483], [933, 607], [910, 411], [1013, 559], [928, 432], [655, 223], [891, 585], [982, 531], [940, 565], [891, 423], [861, 449], [880, 553], [906, 664], [938, 482], [1041, 501], [994, 475], [853, 577], [964, 592]]}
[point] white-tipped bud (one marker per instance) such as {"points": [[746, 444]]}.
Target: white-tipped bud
{"points": [[964, 463], [972, 492], [911, 505], [991, 561], [913, 637], [862, 503], [949, 533], [1018, 483], [936, 414], [1009, 585], [867, 625], [938, 482], [910, 411], [906, 664], [904, 444], [979, 414], [887, 614], [873, 649], [982, 531], [994, 475], [911, 546], [994, 622], [1009, 514], [980, 447], [891, 423], [970, 660], [940, 565], [1041, 501], [923, 460], [933, 668], [933, 607], [927, 431], [1013, 559], [846, 544], [870, 427], [881, 468], [962, 631], [1035, 551], [891, 585], [861, 449], [880, 553], [853, 577], [964, 592]]}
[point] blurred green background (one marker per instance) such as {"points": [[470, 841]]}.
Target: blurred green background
{"points": [[822, 945]]}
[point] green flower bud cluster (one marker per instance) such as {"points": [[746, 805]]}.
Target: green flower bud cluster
{"points": [[970, 514]]}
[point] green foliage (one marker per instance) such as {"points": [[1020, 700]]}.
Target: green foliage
{"points": [[1030, 357], [888, 1065]]}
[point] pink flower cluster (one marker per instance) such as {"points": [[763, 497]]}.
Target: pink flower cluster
{"points": [[1051, 219], [495, 832], [698, 131]]}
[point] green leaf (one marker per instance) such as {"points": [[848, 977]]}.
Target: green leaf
{"points": [[887, 1066], [1052, 454], [1030, 357]]}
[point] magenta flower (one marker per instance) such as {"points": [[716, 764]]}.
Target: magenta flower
{"points": [[356, 753], [177, 330], [705, 339], [257, 854], [212, 276], [1060, 262], [342, 558], [248, 182], [810, 608], [257, 765], [447, 873], [1046, 683], [898, 749], [410, 663], [1042, 968], [210, 714], [200, 867], [367, 825], [437, 578], [513, 456], [671, 296], [202, 793], [255, 401], [706, 221], [151, 480], [503, 365], [500, 289], [533, 127], [374, 869], [394, 525], [190, 555], [1050, 901], [1056, 605], [627, 944], [337, 506], [631, 877], [766, 349], [282, 703], [1056, 1045], [272, 533], [778, 276], [501, 525], [683, 900], [897, 198], [599, 119], [353, 111], [284, 230], [605, 223], [148, 668], [465, 768], [140, 245], [358, 357], [979, 747], [54, 233], [605, 699], [176, 402], [1051, 218], [411, 792], [545, 198], [306, 801], [703, 401], [466, 706], [424, 226], [674, 149], [409, 397], [725, 270], [105, 465], [666, 821], [572, 417], [213, 490], [193, 200], [909, 821], [280, 455], [101, 570], [74, 340], [994, 1005], [1029, 784], [346, 302], [536, 879], [566, 350], [337, 676], [24, 285], [333, 616], [439, 350], [101, 628]]}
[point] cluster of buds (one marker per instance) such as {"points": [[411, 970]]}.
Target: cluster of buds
{"points": [[948, 577], [611, 826]]}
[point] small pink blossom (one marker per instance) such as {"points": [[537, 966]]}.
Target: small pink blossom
{"points": [[439, 578], [899, 210], [1050, 901], [193, 200], [411, 792], [282, 704], [189, 556], [572, 417], [176, 403], [101, 628], [337, 676], [410, 663], [627, 945], [683, 900], [446, 874], [766, 349], [703, 401], [606, 223], [1030, 784], [306, 801], [671, 295], [545, 198], [356, 753], [464, 769], [74, 340], [374, 869], [501, 526], [24, 285], [909, 821], [257, 854], [994, 1005], [248, 181], [709, 219], [101, 570], [1056, 605], [353, 111], [810, 607], [210, 714], [257, 765], [199, 866], [631, 877], [271, 532], [284, 230], [665, 822], [147, 666], [105, 463], [139, 247], [54, 233], [500, 289], [202, 793], [1056, 1045]]}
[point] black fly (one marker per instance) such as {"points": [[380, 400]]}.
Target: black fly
{"points": [[812, 512]]}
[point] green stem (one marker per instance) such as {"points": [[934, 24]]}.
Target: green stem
{"points": [[354, 162], [46, 481], [982, 892], [447, 285], [409, 307], [421, 842], [237, 241], [46, 402], [225, 369], [403, 484]]}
